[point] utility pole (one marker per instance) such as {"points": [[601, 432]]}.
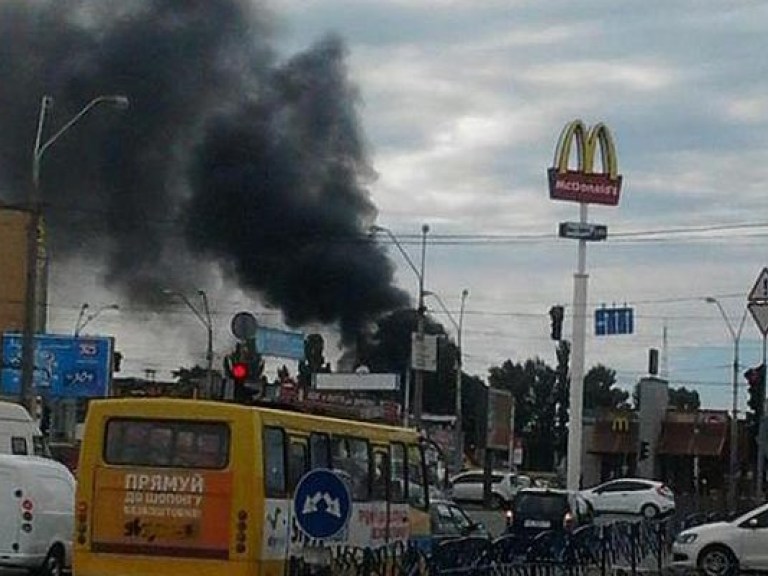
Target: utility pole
{"points": [[418, 383], [31, 308]]}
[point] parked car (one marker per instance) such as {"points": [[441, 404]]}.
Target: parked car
{"points": [[536, 510], [37, 507], [449, 520], [468, 487], [720, 548], [632, 496]]}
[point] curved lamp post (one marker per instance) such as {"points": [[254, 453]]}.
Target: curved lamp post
{"points": [[205, 320], [459, 411], [30, 298], [735, 337], [83, 320], [418, 381]]}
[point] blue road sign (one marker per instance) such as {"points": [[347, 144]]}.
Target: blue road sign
{"points": [[321, 503], [609, 321], [65, 366], [280, 343]]}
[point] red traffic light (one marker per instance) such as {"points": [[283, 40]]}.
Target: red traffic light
{"points": [[239, 370]]}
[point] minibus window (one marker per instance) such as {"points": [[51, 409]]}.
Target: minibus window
{"points": [[274, 462], [350, 458], [397, 473], [380, 475], [319, 451], [297, 462], [417, 482], [176, 443]]}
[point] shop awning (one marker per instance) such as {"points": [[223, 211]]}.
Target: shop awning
{"points": [[693, 439]]}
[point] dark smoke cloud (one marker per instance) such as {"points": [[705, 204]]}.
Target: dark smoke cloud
{"points": [[228, 159]]}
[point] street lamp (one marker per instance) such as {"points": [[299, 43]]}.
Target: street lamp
{"points": [[83, 320], [205, 319], [418, 381], [459, 415], [30, 297], [735, 336]]}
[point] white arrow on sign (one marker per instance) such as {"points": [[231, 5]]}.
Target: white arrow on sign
{"points": [[759, 311], [760, 289]]}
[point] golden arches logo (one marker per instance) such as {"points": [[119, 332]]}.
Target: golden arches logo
{"points": [[620, 424], [584, 184]]}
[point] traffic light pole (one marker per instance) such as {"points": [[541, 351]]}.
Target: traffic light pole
{"points": [[761, 435]]}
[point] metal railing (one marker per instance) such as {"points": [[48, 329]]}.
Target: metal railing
{"points": [[628, 547]]}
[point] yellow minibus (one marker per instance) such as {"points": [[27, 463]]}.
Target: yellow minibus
{"points": [[193, 487]]}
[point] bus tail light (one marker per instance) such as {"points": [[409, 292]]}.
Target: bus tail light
{"points": [[241, 534], [81, 522]]}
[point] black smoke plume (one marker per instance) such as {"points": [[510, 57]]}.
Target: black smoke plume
{"points": [[229, 159]]}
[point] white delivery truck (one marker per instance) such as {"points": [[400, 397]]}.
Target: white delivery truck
{"points": [[37, 509], [19, 433]]}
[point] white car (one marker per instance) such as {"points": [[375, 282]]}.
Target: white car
{"points": [[468, 486], [631, 496], [722, 548]]}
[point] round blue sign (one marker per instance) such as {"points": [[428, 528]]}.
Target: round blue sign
{"points": [[321, 503]]}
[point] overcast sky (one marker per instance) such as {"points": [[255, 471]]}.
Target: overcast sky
{"points": [[462, 102]]}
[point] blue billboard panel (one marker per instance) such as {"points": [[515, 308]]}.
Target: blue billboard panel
{"points": [[609, 321], [280, 343], [65, 366]]}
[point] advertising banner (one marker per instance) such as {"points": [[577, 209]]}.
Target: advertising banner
{"points": [[156, 512], [65, 366]]}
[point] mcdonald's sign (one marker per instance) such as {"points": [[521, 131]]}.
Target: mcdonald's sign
{"points": [[620, 424], [584, 184]]}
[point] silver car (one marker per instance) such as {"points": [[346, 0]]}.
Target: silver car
{"points": [[468, 487]]}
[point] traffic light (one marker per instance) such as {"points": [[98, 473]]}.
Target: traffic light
{"points": [[756, 388], [239, 372], [556, 314], [644, 450]]}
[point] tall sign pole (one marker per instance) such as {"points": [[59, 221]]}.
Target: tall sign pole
{"points": [[585, 186], [758, 307]]}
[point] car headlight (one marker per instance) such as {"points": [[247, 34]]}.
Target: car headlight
{"points": [[686, 538]]}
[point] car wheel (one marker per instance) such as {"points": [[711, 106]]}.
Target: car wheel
{"points": [[649, 511], [497, 502], [717, 561], [53, 565]]}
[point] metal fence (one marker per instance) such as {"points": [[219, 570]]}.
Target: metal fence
{"points": [[598, 550]]}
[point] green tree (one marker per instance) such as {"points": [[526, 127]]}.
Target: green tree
{"points": [[188, 379], [532, 385], [684, 400], [600, 390], [314, 361]]}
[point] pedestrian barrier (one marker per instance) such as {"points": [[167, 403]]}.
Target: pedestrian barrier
{"points": [[597, 550]]}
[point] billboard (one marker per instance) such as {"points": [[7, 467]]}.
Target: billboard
{"points": [[280, 343], [65, 366], [583, 184], [355, 381]]}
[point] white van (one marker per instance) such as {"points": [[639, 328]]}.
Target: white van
{"points": [[19, 434], [37, 509]]}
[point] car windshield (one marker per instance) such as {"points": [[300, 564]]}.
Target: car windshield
{"points": [[541, 505]]}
